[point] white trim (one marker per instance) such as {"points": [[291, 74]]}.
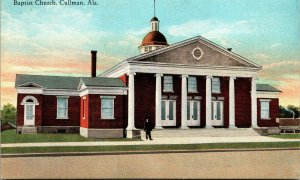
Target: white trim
{"points": [[193, 53], [184, 102], [166, 68], [61, 92], [253, 103], [208, 102], [108, 97], [29, 90], [231, 102], [104, 90], [158, 99], [131, 103], [265, 100], [264, 94], [35, 101]]}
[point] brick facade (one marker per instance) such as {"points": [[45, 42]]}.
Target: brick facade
{"points": [[94, 111], [274, 113], [242, 102], [38, 109], [50, 110]]}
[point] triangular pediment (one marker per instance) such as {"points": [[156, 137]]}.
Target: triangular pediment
{"points": [[197, 51]]}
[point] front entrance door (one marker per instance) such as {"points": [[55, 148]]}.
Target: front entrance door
{"points": [[168, 113], [29, 113], [193, 113], [217, 113]]}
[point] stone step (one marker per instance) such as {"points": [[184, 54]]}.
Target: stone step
{"points": [[204, 132], [29, 130]]}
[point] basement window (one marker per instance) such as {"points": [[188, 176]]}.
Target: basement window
{"points": [[107, 107]]}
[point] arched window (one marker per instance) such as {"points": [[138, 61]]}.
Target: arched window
{"points": [[29, 99]]}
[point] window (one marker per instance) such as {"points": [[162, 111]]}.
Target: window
{"points": [[192, 84], [215, 85], [62, 108], [83, 107], [265, 109], [107, 107], [168, 83]]}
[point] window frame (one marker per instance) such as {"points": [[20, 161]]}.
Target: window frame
{"points": [[214, 85], [267, 102], [103, 117], [195, 90], [65, 108], [172, 84]]}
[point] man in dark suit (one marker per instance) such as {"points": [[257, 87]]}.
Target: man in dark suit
{"points": [[148, 128]]}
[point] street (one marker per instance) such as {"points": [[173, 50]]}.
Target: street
{"points": [[238, 164]]}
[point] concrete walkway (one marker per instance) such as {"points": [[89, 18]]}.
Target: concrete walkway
{"points": [[158, 141]]}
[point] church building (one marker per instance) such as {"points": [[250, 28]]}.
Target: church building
{"points": [[192, 84]]}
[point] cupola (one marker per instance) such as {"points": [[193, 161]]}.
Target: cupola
{"points": [[154, 39]]}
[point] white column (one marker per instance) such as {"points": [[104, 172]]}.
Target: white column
{"points": [[208, 102], [253, 103], [131, 102], [184, 102], [231, 103], [158, 102]]}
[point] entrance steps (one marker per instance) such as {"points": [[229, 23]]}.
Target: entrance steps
{"points": [[213, 132], [29, 130]]}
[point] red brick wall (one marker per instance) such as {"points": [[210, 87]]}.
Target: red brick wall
{"points": [[84, 121], [50, 110], [242, 102], [274, 113], [144, 99], [38, 109], [95, 121]]}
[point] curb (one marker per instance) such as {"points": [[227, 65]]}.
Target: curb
{"points": [[139, 152]]}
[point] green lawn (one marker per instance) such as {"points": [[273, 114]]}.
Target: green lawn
{"points": [[10, 136], [12, 150], [287, 136]]}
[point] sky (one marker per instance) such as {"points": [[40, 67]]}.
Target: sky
{"points": [[57, 39]]}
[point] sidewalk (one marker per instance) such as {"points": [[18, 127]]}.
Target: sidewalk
{"points": [[157, 141]]}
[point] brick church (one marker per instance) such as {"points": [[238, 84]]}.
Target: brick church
{"points": [[192, 84]]}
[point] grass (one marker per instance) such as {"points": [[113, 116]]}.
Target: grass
{"points": [[286, 136], [10, 136], [12, 150]]}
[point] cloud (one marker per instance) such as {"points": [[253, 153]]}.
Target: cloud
{"points": [[213, 30]]}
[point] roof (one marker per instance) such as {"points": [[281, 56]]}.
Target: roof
{"points": [[154, 19], [154, 38], [266, 87], [65, 82], [103, 82], [48, 82]]}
